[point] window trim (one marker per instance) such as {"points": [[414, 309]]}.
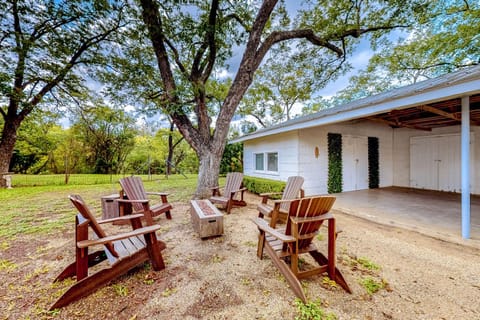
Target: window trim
{"points": [[265, 156]]}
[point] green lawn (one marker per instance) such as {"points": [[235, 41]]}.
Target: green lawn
{"points": [[45, 209]]}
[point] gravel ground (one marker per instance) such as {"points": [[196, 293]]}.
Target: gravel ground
{"points": [[221, 277]]}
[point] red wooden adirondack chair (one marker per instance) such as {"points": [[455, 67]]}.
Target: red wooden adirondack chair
{"points": [[233, 188], [293, 190], [124, 252], [305, 217], [137, 197]]}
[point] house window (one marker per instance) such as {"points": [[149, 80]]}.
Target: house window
{"points": [[272, 161], [259, 162], [267, 162]]}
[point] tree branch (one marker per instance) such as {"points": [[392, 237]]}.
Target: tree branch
{"points": [[85, 45], [176, 57], [237, 18]]}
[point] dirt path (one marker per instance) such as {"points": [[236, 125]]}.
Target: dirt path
{"points": [[221, 278]]}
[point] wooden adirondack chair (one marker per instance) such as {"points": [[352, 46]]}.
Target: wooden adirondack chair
{"points": [[124, 252], [293, 190], [136, 194], [233, 187], [305, 217]]}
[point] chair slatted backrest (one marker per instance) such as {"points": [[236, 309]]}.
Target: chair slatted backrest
{"points": [[134, 189], [233, 182], [291, 191], [308, 207], [86, 214]]}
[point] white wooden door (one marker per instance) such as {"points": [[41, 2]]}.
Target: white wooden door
{"points": [[435, 162], [355, 162]]}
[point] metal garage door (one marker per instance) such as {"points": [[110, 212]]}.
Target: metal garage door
{"points": [[435, 162], [355, 162]]}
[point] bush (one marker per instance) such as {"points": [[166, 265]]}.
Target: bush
{"points": [[262, 185]]}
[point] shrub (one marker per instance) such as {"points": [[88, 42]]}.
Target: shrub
{"points": [[262, 185]]}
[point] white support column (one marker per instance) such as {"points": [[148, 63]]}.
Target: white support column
{"points": [[466, 167]]}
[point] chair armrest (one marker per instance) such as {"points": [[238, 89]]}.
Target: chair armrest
{"points": [[239, 190], [300, 220], [158, 193], [263, 225], [136, 232], [132, 201], [122, 218], [163, 195], [267, 194]]}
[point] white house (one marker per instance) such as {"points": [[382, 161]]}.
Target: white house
{"points": [[428, 136]]}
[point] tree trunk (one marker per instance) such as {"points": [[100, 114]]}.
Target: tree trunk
{"points": [[7, 144], [170, 149], [207, 173]]}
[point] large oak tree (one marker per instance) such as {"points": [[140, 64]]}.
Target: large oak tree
{"points": [[193, 40]]}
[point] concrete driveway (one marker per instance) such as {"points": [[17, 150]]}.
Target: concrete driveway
{"points": [[433, 213]]}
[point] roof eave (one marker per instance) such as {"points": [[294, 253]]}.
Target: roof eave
{"points": [[436, 94]]}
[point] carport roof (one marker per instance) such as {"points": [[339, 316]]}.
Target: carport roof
{"points": [[424, 105]]}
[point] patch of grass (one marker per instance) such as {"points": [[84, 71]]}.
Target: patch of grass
{"points": [[217, 259], [7, 265], [329, 282], [120, 290], [367, 264], [31, 275], [246, 281], [320, 237], [42, 207], [360, 263], [301, 263], [168, 292], [252, 244], [372, 285], [312, 311], [4, 245]]}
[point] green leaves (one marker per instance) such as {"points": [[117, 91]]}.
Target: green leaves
{"points": [[335, 181]]}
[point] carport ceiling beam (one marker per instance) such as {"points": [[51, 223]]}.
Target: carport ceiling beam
{"points": [[397, 124], [453, 116], [440, 112]]}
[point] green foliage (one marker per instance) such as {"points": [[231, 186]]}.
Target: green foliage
{"points": [[373, 163], [367, 264], [262, 185], [120, 290], [232, 159], [48, 49], [7, 265], [312, 311], [442, 38], [334, 163], [372, 285], [107, 135]]}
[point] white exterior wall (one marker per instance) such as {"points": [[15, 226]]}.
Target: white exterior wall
{"points": [[315, 170], [401, 160], [296, 153], [286, 145]]}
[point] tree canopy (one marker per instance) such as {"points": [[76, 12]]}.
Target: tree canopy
{"points": [[193, 45], [46, 49], [443, 38]]}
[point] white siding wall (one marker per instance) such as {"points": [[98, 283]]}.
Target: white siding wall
{"points": [[315, 170], [401, 160], [285, 144], [296, 153]]}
